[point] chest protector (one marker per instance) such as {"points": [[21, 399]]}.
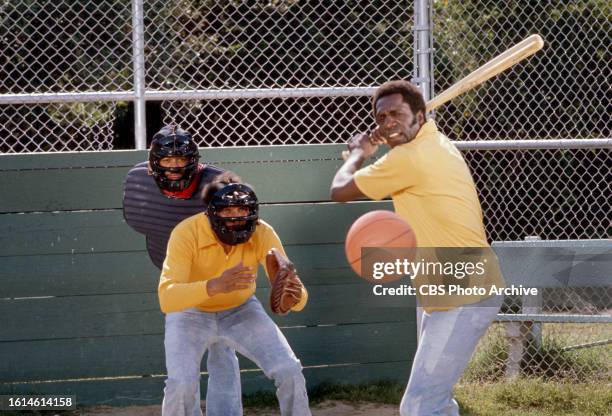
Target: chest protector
{"points": [[155, 215]]}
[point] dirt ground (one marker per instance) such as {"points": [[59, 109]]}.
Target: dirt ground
{"points": [[327, 408]]}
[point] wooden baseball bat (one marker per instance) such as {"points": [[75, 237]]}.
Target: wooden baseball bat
{"points": [[500, 63]]}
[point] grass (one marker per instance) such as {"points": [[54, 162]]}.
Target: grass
{"points": [[523, 396], [534, 397], [553, 382], [549, 362]]}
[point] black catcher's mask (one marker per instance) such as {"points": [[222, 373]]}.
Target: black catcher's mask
{"points": [[171, 141], [233, 195]]}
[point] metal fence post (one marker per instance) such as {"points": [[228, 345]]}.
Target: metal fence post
{"points": [[421, 77], [524, 336], [532, 305], [140, 132], [423, 47]]}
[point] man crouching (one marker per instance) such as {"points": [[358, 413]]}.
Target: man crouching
{"points": [[207, 288]]}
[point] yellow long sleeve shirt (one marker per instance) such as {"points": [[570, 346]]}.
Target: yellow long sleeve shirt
{"points": [[195, 256]]}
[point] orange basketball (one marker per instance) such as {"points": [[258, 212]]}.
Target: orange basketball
{"points": [[384, 229]]}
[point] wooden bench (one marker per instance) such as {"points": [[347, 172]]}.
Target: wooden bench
{"points": [[78, 292]]}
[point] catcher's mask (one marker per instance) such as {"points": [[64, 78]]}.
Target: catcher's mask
{"points": [[168, 142], [233, 195]]}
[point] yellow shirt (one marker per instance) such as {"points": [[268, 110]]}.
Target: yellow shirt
{"points": [[432, 189], [194, 256]]}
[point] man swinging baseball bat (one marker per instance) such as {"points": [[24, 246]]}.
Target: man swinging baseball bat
{"points": [[432, 189]]}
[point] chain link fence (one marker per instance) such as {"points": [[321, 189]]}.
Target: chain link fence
{"points": [[62, 47], [80, 46], [553, 193], [550, 193], [278, 44], [562, 92], [563, 352], [246, 122], [281, 44], [563, 332], [57, 127], [302, 72]]}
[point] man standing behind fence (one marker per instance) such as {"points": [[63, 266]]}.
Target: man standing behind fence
{"points": [[157, 196], [432, 190]]}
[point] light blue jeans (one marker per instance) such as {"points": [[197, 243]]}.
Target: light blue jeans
{"points": [[223, 381], [249, 330], [446, 343]]}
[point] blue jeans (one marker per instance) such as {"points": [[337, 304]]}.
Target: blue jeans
{"points": [[223, 381], [249, 330], [447, 341]]}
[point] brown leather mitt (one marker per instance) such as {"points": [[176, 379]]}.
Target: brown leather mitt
{"points": [[286, 285]]}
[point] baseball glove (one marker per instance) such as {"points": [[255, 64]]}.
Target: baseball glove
{"points": [[286, 285]]}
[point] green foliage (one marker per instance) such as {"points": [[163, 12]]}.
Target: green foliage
{"points": [[488, 363], [259, 44], [533, 397], [564, 87], [62, 46], [550, 193], [66, 46], [549, 362], [81, 114], [84, 46]]}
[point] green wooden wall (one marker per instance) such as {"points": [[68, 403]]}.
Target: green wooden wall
{"points": [[78, 293]]}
